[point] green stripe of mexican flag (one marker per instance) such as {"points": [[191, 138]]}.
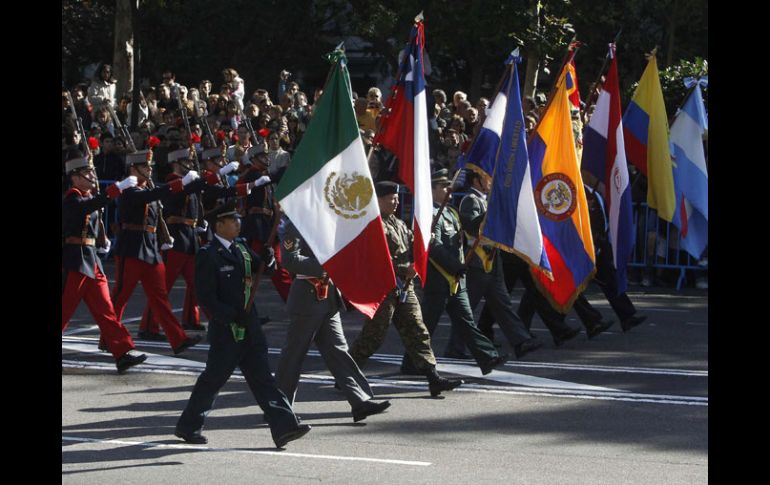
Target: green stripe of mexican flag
{"points": [[328, 194]]}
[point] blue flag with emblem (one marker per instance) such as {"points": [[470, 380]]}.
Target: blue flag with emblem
{"points": [[500, 152]]}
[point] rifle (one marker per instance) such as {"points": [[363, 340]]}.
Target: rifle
{"points": [[193, 154], [203, 119], [163, 235], [101, 238]]}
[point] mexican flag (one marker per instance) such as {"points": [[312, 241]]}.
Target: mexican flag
{"points": [[328, 194]]}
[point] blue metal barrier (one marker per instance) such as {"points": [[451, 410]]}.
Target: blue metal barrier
{"points": [[658, 245]]}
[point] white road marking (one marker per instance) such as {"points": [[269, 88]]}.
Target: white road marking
{"points": [[396, 359], [518, 379], [74, 331], [374, 381], [125, 320], [285, 454]]}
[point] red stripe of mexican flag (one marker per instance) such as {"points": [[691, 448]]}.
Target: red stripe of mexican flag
{"points": [[328, 194]]}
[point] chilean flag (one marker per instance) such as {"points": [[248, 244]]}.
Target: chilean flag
{"points": [[604, 156], [405, 133]]}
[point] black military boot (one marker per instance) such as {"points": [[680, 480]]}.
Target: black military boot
{"points": [[437, 384]]}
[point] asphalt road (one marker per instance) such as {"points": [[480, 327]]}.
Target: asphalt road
{"points": [[622, 408]]}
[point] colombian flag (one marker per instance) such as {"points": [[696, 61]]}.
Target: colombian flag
{"points": [[645, 130], [561, 202]]}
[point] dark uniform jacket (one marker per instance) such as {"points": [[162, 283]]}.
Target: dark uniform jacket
{"points": [[80, 217], [185, 205], [446, 242], [473, 207], [257, 224], [213, 193], [139, 206], [220, 281]]}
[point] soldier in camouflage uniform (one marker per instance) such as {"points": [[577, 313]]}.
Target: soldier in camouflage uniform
{"points": [[401, 303]]}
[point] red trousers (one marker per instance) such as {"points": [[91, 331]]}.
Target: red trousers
{"points": [[153, 277], [281, 277], [96, 294], [177, 263]]}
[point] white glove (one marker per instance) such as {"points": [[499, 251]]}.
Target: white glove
{"points": [[230, 167], [203, 227], [168, 245], [127, 182], [265, 179], [106, 248], [191, 176]]}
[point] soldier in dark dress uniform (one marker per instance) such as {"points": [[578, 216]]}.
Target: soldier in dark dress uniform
{"points": [[82, 272], [184, 220], [137, 252], [224, 271], [260, 213]]}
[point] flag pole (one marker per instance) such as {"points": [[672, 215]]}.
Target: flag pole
{"points": [[497, 90], [457, 172], [592, 94], [567, 58], [684, 100]]}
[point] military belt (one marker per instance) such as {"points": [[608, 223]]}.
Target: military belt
{"points": [[88, 241], [321, 285], [181, 220], [261, 210], [137, 227]]}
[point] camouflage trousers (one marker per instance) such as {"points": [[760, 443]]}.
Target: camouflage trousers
{"points": [[407, 318]]}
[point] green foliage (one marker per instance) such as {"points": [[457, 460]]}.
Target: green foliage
{"points": [[678, 27], [86, 36], [466, 41], [672, 82]]}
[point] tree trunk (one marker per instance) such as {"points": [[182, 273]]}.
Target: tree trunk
{"points": [[123, 53], [532, 53], [530, 78]]}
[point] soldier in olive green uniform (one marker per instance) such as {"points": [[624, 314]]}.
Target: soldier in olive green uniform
{"points": [[401, 303], [485, 271], [445, 283]]}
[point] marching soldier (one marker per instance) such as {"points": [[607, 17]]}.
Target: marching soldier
{"points": [[224, 272], [605, 277], [515, 268], [215, 172], [485, 270], [445, 283], [314, 305], [182, 214], [401, 303], [261, 214], [137, 254], [82, 272]]}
